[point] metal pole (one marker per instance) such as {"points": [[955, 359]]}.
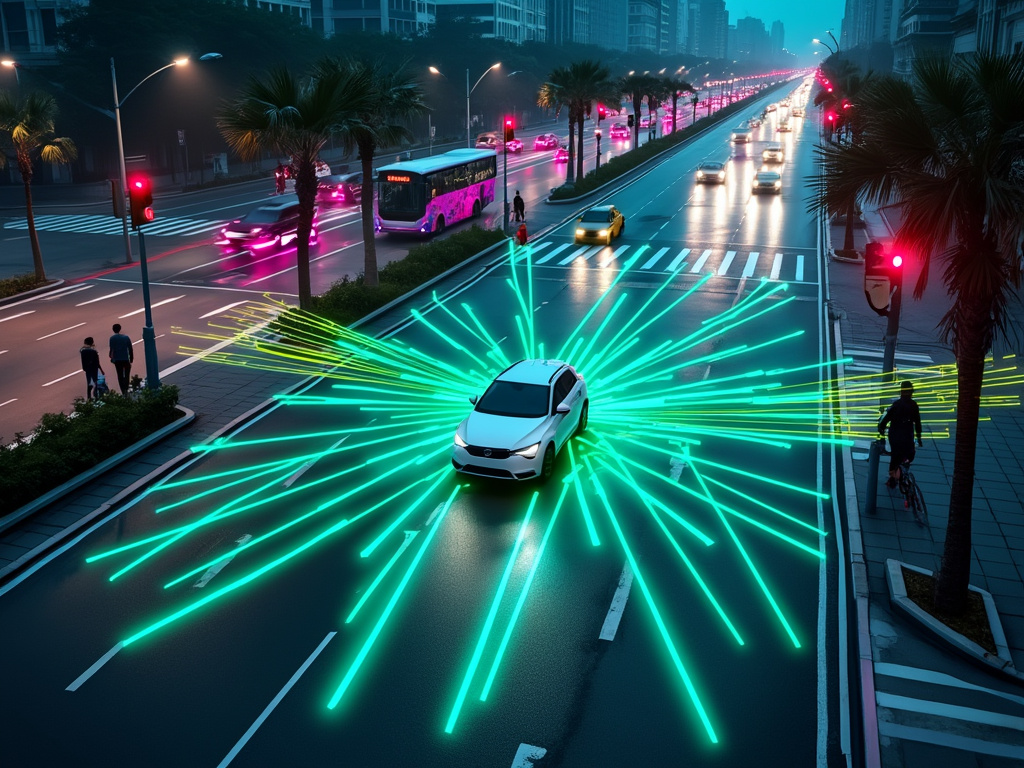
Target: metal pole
{"points": [[124, 175], [430, 136], [469, 141], [597, 164], [148, 334], [892, 331], [505, 184]]}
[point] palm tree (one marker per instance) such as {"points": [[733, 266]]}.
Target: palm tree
{"points": [[27, 126], [676, 87], [577, 87], [556, 93], [296, 117], [946, 148], [393, 95], [636, 87]]}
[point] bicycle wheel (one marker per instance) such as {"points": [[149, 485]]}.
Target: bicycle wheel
{"points": [[917, 502]]}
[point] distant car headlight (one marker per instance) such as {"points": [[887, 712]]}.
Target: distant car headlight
{"points": [[700, 174], [529, 452], [778, 184], [459, 441], [581, 233]]}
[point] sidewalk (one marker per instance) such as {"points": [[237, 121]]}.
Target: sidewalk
{"points": [[935, 708]]}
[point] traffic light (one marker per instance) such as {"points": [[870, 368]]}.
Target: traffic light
{"points": [[510, 132], [602, 113], [140, 199], [882, 273]]}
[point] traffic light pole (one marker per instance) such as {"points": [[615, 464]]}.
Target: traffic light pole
{"points": [[148, 333], [892, 330]]}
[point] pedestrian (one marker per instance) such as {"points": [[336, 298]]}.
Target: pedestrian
{"points": [[521, 234], [122, 356], [904, 420], [91, 366], [279, 178], [519, 207]]}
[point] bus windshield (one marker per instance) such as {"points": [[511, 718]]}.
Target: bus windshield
{"points": [[402, 201]]}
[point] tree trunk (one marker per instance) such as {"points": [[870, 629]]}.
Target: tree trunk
{"points": [[570, 167], [955, 571], [25, 168], [305, 188], [370, 276], [579, 148]]}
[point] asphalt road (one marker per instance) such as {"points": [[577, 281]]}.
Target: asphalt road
{"points": [[621, 616]]}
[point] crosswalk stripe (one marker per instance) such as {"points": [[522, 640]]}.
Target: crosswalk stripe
{"points": [[799, 267], [102, 298], [152, 306], [613, 256], [550, 256], [541, 246], [572, 257], [748, 270], [776, 266], [698, 265], [674, 264], [954, 711], [108, 225], [655, 258], [726, 262]]}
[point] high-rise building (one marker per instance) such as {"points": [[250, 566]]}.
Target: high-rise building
{"points": [[778, 42], [708, 29], [299, 8], [752, 40], [644, 25], [568, 21], [398, 17], [515, 20], [924, 31], [28, 28], [609, 23]]}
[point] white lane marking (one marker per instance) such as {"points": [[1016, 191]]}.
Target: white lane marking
{"points": [[152, 306], [527, 755], [654, 259], [222, 309], [62, 292], [217, 567], [65, 376], [69, 328], [799, 267], [94, 668], [550, 256], [940, 739], [969, 714], [937, 678], [14, 317], [8, 402], [674, 264], [572, 256], [776, 267], [699, 263], [675, 468], [306, 466], [748, 270], [434, 514], [541, 246], [4, 351], [726, 262], [611, 621], [613, 256], [273, 704], [108, 296]]}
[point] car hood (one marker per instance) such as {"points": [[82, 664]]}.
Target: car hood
{"points": [[490, 431]]}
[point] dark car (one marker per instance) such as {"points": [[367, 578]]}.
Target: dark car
{"points": [[340, 189], [546, 141], [267, 228]]}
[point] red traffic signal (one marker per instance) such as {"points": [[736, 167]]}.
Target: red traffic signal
{"points": [[140, 199], [602, 113], [830, 116], [883, 274], [510, 132]]}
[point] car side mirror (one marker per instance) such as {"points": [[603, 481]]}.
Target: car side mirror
{"points": [[473, 399], [563, 408]]}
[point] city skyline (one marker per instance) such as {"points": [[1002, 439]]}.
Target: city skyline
{"points": [[802, 22]]}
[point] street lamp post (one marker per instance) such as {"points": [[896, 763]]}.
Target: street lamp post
{"points": [[597, 135], [436, 71], [829, 31], [822, 42]]}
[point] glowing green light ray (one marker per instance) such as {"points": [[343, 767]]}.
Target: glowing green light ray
{"points": [[662, 627], [218, 446], [522, 596], [750, 563], [530, 316], [649, 500], [764, 505], [437, 477], [583, 358], [380, 577], [595, 541], [761, 478], [443, 306], [446, 338], [375, 632], [284, 527], [246, 470], [491, 615], [493, 346], [522, 335], [240, 481]]}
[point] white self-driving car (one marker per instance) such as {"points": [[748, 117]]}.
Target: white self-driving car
{"points": [[521, 421]]}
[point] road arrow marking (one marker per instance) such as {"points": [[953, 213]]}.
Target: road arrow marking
{"points": [[302, 470], [217, 567], [527, 755]]}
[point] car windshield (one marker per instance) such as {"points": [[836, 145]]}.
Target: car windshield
{"points": [[262, 216], [711, 167], [595, 216], [513, 398]]}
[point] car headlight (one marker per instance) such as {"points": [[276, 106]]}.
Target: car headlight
{"points": [[529, 452], [778, 184], [721, 175], [459, 441], [255, 230], [700, 174], [581, 233], [603, 233]]}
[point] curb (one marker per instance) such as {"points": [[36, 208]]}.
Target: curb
{"points": [[15, 517], [1001, 663], [30, 294]]}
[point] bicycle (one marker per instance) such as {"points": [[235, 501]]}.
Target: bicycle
{"points": [[913, 497]]}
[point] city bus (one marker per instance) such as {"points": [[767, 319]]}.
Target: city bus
{"points": [[426, 195]]}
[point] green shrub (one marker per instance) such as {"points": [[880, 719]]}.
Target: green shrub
{"points": [[348, 300], [64, 445], [12, 286]]}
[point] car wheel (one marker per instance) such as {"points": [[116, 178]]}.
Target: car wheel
{"points": [[439, 225], [547, 467], [581, 427], [476, 209]]}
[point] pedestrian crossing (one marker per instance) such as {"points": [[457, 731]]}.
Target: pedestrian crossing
{"points": [[108, 225], [695, 260]]}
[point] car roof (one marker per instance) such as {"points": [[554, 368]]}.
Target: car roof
{"points": [[604, 208], [531, 371], [710, 163], [337, 178], [774, 146], [769, 174], [280, 203]]}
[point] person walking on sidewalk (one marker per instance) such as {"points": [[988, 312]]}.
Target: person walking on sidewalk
{"points": [[122, 356], [91, 366], [519, 207], [903, 418]]}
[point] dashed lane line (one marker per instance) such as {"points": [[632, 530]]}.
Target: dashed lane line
{"points": [[217, 567], [94, 668], [62, 330], [15, 317], [104, 298], [614, 616], [225, 308], [152, 306]]}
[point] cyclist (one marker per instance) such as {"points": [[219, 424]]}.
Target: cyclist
{"points": [[903, 418]]}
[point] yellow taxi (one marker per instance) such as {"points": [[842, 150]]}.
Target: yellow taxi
{"points": [[600, 224]]}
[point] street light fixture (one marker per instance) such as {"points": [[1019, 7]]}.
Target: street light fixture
{"points": [[436, 71], [822, 42], [11, 64], [829, 31]]}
